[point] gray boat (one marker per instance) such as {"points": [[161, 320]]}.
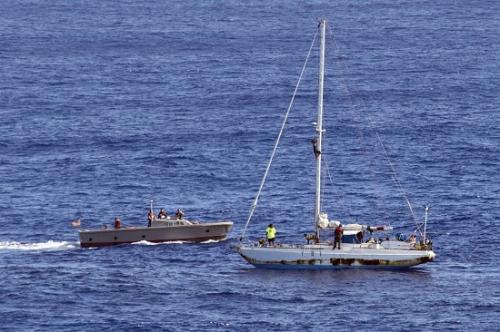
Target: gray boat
{"points": [[167, 229]]}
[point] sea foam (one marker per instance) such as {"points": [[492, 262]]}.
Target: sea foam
{"points": [[39, 246], [147, 243]]}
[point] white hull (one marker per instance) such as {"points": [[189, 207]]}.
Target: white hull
{"points": [[158, 233], [322, 256]]}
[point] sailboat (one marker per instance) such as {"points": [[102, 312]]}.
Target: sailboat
{"points": [[318, 253]]}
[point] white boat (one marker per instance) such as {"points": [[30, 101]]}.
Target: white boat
{"points": [[161, 230], [354, 252]]}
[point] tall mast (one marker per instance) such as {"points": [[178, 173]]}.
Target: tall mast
{"points": [[319, 126]]}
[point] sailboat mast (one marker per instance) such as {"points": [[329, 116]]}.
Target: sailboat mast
{"points": [[319, 126]]}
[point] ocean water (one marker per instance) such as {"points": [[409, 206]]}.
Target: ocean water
{"points": [[106, 105]]}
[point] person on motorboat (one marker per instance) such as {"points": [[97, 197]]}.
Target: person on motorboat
{"points": [[118, 223], [179, 214], [151, 217], [162, 214]]}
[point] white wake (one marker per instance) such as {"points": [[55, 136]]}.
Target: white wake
{"points": [[147, 243], [212, 241], [40, 246]]}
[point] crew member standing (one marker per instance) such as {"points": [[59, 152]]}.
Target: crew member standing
{"points": [[339, 231], [118, 223], [271, 234], [151, 217]]}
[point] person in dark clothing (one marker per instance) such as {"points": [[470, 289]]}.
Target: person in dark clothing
{"points": [[339, 231], [151, 217], [118, 223], [359, 237], [162, 214], [317, 152]]}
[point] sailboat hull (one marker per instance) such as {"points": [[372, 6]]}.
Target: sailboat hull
{"points": [[316, 257]]}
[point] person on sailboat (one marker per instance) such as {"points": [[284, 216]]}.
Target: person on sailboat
{"points": [[271, 234], [412, 238], [359, 237], [315, 147], [339, 231]]}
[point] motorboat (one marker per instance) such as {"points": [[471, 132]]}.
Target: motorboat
{"points": [[166, 229]]}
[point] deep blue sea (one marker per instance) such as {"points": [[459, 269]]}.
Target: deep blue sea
{"points": [[106, 105]]}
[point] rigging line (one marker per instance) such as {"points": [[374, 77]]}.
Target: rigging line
{"points": [[323, 184], [396, 179], [339, 197], [361, 136], [395, 175], [254, 204]]}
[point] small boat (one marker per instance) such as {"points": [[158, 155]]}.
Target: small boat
{"points": [[166, 229], [355, 249]]}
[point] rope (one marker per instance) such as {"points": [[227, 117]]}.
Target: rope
{"points": [[340, 198], [386, 155], [254, 205], [395, 176]]}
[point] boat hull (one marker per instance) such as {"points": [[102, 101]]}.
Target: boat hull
{"points": [[188, 233], [315, 257]]}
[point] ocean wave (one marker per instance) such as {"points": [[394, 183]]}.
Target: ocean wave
{"points": [[39, 246]]}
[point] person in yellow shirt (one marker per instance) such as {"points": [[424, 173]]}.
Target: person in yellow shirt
{"points": [[270, 234]]}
